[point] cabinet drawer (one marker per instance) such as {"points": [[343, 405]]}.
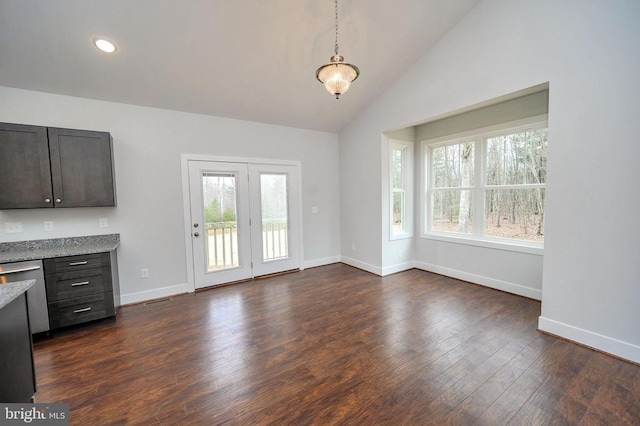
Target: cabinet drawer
{"points": [[68, 285], [80, 309], [72, 263]]}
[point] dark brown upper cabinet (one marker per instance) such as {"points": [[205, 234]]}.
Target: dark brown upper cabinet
{"points": [[50, 167]]}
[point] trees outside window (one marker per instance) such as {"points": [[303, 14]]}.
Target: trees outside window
{"points": [[488, 185], [516, 174], [401, 184], [453, 173]]}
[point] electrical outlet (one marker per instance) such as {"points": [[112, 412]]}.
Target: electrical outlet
{"points": [[353, 246], [314, 209], [144, 273], [399, 254], [13, 227], [48, 226], [103, 222]]}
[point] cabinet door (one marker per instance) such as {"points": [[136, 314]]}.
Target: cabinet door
{"points": [[81, 168], [16, 357], [25, 176]]}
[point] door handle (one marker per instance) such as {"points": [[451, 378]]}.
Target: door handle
{"points": [[196, 234]]}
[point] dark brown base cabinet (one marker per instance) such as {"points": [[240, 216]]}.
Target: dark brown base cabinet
{"points": [[44, 167], [17, 373], [81, 288]]}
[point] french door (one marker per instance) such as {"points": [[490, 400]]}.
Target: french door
{"points": [[244, 220]]}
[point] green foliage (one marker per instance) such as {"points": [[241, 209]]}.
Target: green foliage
{"points": [[213, 213], [228, 215]]}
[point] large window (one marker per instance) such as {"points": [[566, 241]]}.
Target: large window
{"points": [[489, 185], [401, 173]]}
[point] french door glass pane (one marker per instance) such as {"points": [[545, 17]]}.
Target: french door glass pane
{"points": [[221, 226], [275, 216], [515, 213], [452, 211]]}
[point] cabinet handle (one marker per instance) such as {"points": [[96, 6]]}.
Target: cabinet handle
{"points": [[81, 283], [84, 262], [47, 200], [58, 200], [79, 311]]}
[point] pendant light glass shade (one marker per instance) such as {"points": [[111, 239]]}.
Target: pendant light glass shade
{"points": [[337, 76]]}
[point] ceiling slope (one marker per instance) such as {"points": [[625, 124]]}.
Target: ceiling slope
{"points": [[246, 59]]}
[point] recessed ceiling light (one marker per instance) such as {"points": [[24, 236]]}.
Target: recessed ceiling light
{"points": [[105, 45]]}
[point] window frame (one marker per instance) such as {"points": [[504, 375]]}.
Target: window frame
{"points": [[408, 178], [479, 137]]}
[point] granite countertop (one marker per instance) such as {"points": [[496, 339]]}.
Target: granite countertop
{"points": [[57, 247], [11, 291]]}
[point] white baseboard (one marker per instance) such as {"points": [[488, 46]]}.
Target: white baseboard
{"points": [[361, 265], [588, 338], [482, 280], [399, 267], [157, 293], [321, 262]]}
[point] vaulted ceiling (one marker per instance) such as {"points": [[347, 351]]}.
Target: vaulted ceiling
{"points": [[244, 59]]}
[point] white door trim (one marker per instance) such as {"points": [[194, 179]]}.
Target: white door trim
{"points": [[186, 203]]}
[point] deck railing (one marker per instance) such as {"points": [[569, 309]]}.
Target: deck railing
{"points": [[222, 243], [275, 239]]}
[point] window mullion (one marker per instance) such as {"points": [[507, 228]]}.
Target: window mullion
{"points": [[478, 209], [522, 186], [428, 182]]}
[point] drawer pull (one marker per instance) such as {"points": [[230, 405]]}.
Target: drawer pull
{"points": [[79, 284], [84, 262], [79, 311]]}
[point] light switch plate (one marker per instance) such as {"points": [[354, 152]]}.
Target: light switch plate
{"points": [[103, 222], [48, 226]]}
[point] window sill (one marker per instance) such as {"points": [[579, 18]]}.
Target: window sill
{"points": [[507, 245]]}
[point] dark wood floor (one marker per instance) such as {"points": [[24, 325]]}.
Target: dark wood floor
{"points": [[334, 345]]}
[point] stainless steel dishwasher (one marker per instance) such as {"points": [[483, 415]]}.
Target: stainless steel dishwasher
{"points": [[36, 295]]}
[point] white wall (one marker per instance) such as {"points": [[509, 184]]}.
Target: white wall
{"points": [[360, 195], [589, 52], [149, 215]]}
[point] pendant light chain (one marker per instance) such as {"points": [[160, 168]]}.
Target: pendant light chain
{"points": [[336, 27]]}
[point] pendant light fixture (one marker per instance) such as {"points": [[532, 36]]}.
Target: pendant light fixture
{"points": [[337, 75]]}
